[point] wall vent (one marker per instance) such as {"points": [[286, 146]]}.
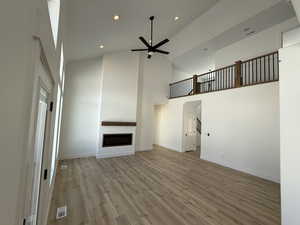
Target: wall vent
{"points": [[61, 212]]}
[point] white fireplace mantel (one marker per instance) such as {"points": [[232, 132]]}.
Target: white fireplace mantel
{"points": [[109, 152]]}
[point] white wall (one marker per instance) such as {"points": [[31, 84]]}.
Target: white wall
{"points": [[155, 76], [261, 43], [180, 75], [19, 21], [81, 122], [244, 128], [290, 135], [187, 66], [209, 25], [258, 44], [296, 4], [119, 87], [119, 97]]}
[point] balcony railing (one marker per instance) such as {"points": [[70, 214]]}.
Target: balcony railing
{"points": [[254, 71]]}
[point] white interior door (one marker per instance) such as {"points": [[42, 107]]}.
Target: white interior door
{"points": [[39, 146]]}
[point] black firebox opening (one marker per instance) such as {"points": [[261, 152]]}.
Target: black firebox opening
{"points": [[112, 140]]}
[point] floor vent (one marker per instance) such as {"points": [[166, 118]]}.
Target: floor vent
{"points": [[61, 212]]}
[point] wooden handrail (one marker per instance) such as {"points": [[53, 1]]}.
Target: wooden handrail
{"points": [[253, 71], [225, 67]]}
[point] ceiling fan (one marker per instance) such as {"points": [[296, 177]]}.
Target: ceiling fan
{"points": [[151, 49]]}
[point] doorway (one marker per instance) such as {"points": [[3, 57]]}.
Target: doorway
{"points": [[192, 127]]}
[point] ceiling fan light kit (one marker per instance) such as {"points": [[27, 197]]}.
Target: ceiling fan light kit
{"points": [[150, 48]]}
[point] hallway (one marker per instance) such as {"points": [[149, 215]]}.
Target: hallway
{"points": [[161, 187]]}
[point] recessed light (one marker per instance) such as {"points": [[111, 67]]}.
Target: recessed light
{"points": [[101, 46], [176, 18], [116, 17]]}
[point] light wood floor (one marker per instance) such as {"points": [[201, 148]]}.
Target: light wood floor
{"points": [[162, 188]]}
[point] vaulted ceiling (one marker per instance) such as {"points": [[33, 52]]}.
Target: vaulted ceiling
{"points": [[202, 24], [90, 23]]}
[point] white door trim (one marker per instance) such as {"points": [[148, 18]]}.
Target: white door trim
{"points": [[45, 81]]}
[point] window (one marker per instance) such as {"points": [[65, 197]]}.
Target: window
{"points": [[58, 116], [56, 134], [62, 59], [54, 13]]}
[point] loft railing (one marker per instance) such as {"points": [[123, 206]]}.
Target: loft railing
{"points": [[254, 71]]}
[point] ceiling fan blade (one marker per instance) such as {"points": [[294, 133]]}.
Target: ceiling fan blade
{"points": [[139, 50], [161, 43], [145, 42], [161, 51]]}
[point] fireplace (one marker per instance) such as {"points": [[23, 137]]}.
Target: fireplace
{"points": [[114, 140]]}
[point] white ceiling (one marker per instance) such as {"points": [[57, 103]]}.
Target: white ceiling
{"points": [[192, 61], [90, 23]]}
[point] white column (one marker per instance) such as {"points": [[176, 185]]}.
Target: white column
{"points": [[290, 132]]}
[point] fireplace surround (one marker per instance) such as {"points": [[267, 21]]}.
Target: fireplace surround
{"points": [[116, 139], [113, 140]]}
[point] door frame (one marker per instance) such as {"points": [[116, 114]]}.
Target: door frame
{"points": [[183, 143], [47, 130], [45, 81]]}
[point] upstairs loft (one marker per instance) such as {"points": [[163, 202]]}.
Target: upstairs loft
{"points": [[259, 70]]}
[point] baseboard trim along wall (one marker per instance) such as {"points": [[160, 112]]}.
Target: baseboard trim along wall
{"points": [[108, 154], [164, 148], [78, 155], [144, 150]]}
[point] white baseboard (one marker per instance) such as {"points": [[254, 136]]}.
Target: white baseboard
{"points": [[108, 154], [250, 171], [144, 150], [165, 148], [78, 155]]}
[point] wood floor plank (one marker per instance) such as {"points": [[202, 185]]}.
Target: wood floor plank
{"points": [[161, 187]]}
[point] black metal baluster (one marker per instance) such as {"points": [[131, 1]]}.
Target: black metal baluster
{"points": [[265, 69], [256, 71], [260, 67], [231, 77], [223, 79], [269, 72], [273, 57], [249, 72], [278, 67], [225, 74]]}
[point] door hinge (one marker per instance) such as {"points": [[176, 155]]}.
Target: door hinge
{"points": [[51, 106], [24, 221], [45, 174]]}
